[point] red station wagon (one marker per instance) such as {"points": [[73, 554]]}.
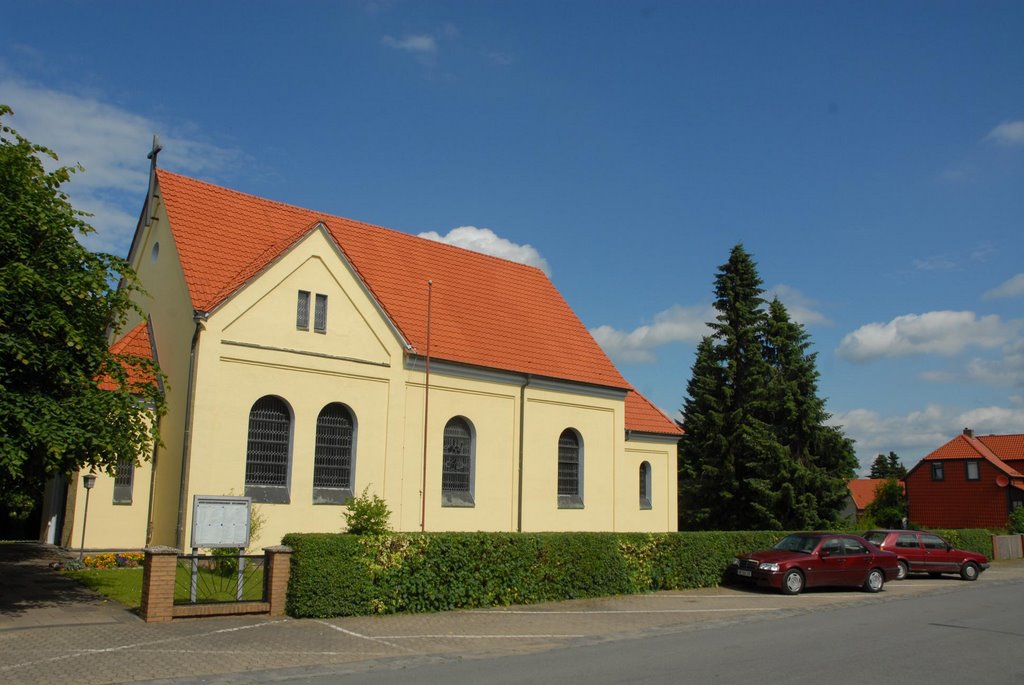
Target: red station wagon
{"points": [[803, 560], [923, 552]]}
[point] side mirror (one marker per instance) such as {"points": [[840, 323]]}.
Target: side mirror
{"points": [[825, 553]]}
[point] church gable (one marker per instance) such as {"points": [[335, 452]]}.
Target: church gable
{"points": [[309, 301]]}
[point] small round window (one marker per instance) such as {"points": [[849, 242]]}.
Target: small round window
{"points": [[155, 252]]}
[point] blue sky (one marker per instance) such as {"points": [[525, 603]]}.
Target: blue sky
{"points": [[870, 155]]}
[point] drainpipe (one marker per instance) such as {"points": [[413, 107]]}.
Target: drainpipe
{"points": [[522, 450], [186, 451]]}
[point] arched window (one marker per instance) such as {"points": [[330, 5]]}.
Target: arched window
{"points": [[457, 464], [333, 459], [570, 470], [645, 485], [266, 457]]}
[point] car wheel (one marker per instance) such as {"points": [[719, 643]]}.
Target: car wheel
{"points": [[902, 571], [792, 583], [969, 571], [875, 580]]}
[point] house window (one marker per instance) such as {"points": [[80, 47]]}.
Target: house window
{"points": [[332, 459], [570, 470], [645, 485], [124, 475], [302, 311], [320, 314], [972, 470], [938, 473], [457, 464], [266, 458]]}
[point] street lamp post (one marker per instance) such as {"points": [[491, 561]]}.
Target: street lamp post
{"points": [[88, 481]]}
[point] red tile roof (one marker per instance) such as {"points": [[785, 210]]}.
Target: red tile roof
{"points": [[486, 311], [134, 343], [1006, 447], [991, 448], [862, 491], [644, 417]]}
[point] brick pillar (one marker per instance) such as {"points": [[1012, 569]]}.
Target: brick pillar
{"points": [[278, 569], [158, 584]]}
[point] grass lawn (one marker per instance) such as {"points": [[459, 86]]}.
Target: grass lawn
{"points": [[124, 585]]}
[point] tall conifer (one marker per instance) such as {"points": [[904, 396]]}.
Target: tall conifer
{"points": [[757, 453]]}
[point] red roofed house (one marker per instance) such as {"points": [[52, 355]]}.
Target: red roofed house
{"points": [[970, 482], [862, 493], [296, 346]]}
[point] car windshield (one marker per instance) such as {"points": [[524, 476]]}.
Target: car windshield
{"points": [[798, 543], [874, 536]]}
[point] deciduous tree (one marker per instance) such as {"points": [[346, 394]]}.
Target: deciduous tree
{"points": [[58, 304]]}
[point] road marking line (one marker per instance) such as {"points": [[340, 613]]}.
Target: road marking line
{"points": [[626, 611], [479, 637], [136, 645], [359, 635]]}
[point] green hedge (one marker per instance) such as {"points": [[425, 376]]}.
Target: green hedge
{"points": [[974, 539], [351, 575], [345, 575]]}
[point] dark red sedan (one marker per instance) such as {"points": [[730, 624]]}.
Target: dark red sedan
{"points": [[919, 551], [803, 560]]}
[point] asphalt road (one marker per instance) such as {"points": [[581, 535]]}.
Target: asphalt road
{"points": [[934, 630], [975, 634]]}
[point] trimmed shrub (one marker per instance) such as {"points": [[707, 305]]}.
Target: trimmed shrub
{"points": [[329, 576], [972, 539], [343, 575]]}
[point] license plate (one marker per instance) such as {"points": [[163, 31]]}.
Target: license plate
{"points": [[743, 572]]}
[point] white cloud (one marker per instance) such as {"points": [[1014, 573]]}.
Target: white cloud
{"points": [[914, 435], [1013, 287], [1007, 133], [800, 307], [488, 242], [944, 333], [936, 263], [1008, 369], [421, 44], [676, 324], [111, 143]]}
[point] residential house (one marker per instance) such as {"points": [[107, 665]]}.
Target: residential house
{"points": [[311, 357], [861, 494], [973, 481]]}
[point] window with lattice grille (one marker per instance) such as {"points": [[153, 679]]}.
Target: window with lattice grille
{"points": [[124, 477], [302, 311], [266, 459], [570, 470], [320, 314], [333, 456], [457, 464]]}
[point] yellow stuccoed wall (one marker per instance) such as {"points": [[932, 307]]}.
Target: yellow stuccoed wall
{"points": [[169, 307], [250, 347]]}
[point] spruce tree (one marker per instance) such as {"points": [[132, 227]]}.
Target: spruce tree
{"points": [[820, 460], [731, 460], [702, 464], [757, 453], [879, 468], [896, 468]]}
